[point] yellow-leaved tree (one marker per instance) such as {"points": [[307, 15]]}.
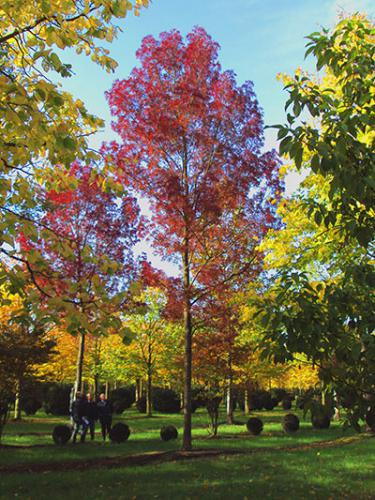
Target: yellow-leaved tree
{"points": [[41, 124]]}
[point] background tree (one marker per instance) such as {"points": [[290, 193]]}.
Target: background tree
{"points": [[321, 301], [191, 142], [83, 259], [23, 344], [42, 125], [339, 137]]}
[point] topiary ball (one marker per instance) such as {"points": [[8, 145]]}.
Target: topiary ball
{"points": [[61, 434], [320, 421], [168, 432], [119, 433], [286, 404], [290, 423], [141, 404], [254, 426]]}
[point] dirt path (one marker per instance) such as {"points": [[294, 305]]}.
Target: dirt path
{"points": [[167, 456]]}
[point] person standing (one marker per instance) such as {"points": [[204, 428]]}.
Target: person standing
{"points": [[78, 413], [91, 414], [104, 408]]}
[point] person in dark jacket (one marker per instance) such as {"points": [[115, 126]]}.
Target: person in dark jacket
{"points": [[91, 414], [105, 415], [78, 413]]}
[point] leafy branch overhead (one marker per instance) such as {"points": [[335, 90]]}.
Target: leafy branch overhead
{"points": [[330, 124]]}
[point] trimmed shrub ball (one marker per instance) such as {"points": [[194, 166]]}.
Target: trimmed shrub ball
{"points": [[168, 432], [141, 404], [320, 421], [291, 423], [370, 419], [254, 426], [122, 398], [119, 433], [31, 406], [56, 399], [286, 404], [165, 400], [61, 434]]}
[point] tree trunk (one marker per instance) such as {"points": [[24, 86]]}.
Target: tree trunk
{"points": [[149, 394], [106, 390], [246, 401], [17, 402], [137, 390], [96, 386], [230, 419], [230, 392], [79, 364], [187, 442]]}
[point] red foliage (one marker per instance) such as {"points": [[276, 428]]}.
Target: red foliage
{"points": [[191, 143], [191, 138], [86, 233]]}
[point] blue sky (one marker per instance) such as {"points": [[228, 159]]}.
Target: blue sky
{"points": [[258, 39]]}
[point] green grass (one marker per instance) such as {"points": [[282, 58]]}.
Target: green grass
{"points": [[339, 471]]}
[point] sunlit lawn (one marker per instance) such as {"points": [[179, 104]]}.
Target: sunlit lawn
{"points": [[337, 471]]}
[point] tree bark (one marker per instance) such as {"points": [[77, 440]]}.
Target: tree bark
{"points": [[106, 390], [79, 365], [96, 386], [149, 394], [230, 419], [187, 442], [137, 390], [246, 401], [17, 402], [230, 392]]}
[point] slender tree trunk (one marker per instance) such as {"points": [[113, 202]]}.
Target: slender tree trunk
{"points": [[106, 390], [246, 401], [96, 385], [79, 364], [187, 442], [149, 393], [17, 402], [137, 390], [182, 400], [230, 419], [230, 391]]}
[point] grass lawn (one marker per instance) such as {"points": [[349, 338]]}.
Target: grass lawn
{"points": [[260, 469]]}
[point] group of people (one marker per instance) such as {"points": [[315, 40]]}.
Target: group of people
{"points": [[85, 411]]}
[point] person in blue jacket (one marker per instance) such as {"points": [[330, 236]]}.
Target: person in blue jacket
{"points": [[91, 412], [78, 413], [104, 408]]}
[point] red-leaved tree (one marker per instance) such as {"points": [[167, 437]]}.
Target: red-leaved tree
{"points": [[191, 143], [83, 257]]}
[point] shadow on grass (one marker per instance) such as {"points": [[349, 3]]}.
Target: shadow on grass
{"points": [[340, 472]]}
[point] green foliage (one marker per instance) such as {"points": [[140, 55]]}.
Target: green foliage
{"points": [[254, 426], [168, 432], [119, 433], [290, 423], [338, 141], [57, 399], [43, 126], [165, 400], [122, 398], [61, 434]]}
